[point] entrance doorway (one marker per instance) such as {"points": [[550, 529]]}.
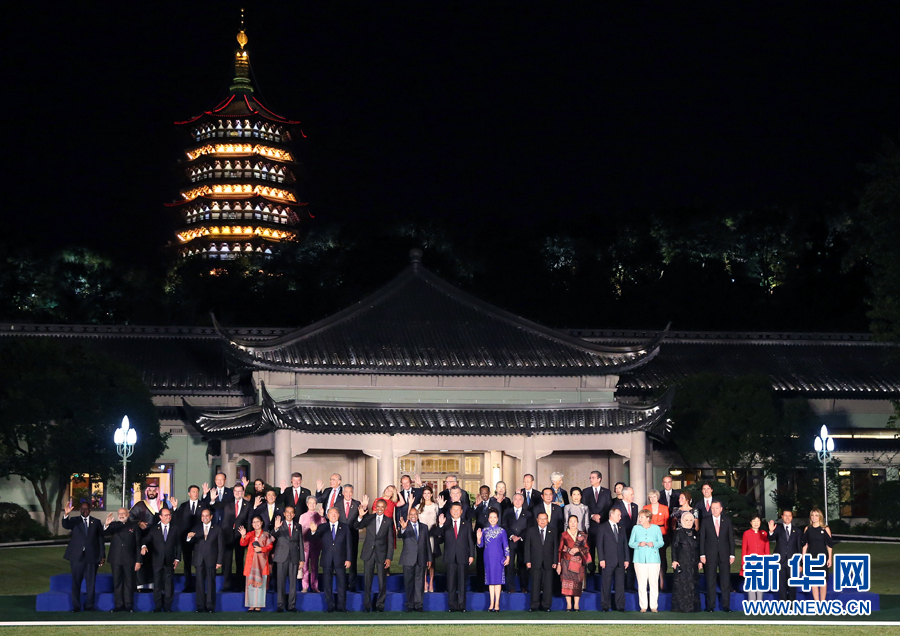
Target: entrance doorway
{"points": [[434, 467]]}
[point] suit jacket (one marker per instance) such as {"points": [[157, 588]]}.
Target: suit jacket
{"points": [[209, 551], [542, 555], [337, 550], [262, 511], [217, 506], [465, 497], [670, 502], [614, 551], [480, 513], [415, 552], [785, 547], [231, 522], [467, 512], [164, 553], [377, 547], [352, 519], [323, 496], [287, 499], [719, 547], [557, 517], [599, 505], [457, 549], [702, 512], [124, 543], [515, 526], [535, 497], [627, 523], [84, 544], [401, 512], [185, 520], [288, 543]]}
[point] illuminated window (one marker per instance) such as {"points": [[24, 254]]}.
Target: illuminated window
{"points": [[82, 488]]}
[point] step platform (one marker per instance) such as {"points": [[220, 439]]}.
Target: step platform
{"points": [[58, 599]]}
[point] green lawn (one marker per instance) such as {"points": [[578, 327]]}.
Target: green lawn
{"points": [[468, 630]]}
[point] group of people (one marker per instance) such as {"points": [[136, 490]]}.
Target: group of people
{"points": [[546, 541]]}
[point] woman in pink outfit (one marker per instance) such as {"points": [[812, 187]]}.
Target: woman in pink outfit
{"points": [[309, 569]]}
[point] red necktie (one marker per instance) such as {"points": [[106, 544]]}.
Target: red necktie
{"points": [[347, 509], [237, 508], [455, 530], [290, 530], [707, 506], [333, 498], [296, 497]]}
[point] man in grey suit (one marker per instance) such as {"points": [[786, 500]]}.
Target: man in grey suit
{"points": [[377, 551], [286, 556], [415, 558]]}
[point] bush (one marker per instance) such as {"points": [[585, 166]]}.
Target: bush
{"points": [[17, 525], [887, 509]]}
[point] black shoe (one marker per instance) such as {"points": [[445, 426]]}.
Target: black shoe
{"points": [[199, 611], [210, 611], [295, 610], [710, 609], [130, 611], [280, 610], [75, 610], [379, 609], [546, 610], [531, 609], [727, 609], [463, 611], [330, 611], [449, 611], [408, 611]]}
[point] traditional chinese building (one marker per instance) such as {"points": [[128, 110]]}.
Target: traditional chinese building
{"points": [[240, 190]]}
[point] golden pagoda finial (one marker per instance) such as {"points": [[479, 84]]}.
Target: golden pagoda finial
{"points": [[242, 37]]}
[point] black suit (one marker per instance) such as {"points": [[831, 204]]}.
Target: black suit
{"points": [[336, 550], [597, 505], [613, 548], [557, 519], [84, 553], [351, 520], [786, 547], [401, 512], [669, 501], [532, 498], [542, 553], [262, 511], [324, 497], [377, 547], [218, 505], [628, 523], [208, 552], [124, 552], [464, 498], [165, 552], [718, 550], [287, 499], [414, 558], [231, 521], [516, 527], [702, 512], [186, 520], [459, 547], [287, 556]]}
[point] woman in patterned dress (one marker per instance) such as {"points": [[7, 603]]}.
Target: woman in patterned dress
{"points": [[496, 557], [574, 556]]}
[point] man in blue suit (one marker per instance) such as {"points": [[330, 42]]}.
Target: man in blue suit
{"points": [[335, 557], [85, 553]]}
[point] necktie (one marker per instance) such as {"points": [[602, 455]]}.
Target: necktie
{"points": [[517, 514], [455, 530], [333, 532], [193, 508], [333, 498], [165, 533], [628, 508], [296, 496], [596, 494], [205, 532], [707, 506], [237, 507], [86, 525], [347, 509], [543, 535], [377, 524], [788, 530], [528, 497], [416, 528], [290, 530], [717, 526], [615, 531]]}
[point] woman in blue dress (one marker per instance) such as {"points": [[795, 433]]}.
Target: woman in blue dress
{"points": [[496, 557]]}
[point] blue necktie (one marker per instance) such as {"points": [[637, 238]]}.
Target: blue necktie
{"points": [[333, 532], [416, 528]]}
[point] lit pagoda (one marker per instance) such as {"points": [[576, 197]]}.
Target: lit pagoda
{"points": [[240, 190]]}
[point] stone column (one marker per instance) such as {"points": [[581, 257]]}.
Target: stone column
{"points": [[385, 465], [529, 459], [283, 456], [638, 467], [229, 465]]}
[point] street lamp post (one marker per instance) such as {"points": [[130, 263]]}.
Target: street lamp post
{"points": [[824, 444], [125, 438]]}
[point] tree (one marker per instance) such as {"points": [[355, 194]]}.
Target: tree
{"points": [[59, 405], [738, 422]]}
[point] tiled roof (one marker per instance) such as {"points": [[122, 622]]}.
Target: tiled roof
{"points": [[422, 419], [420, 324], [807, 365]]}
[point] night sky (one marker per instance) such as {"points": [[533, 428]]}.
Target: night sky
{"points": [[475, 113]]}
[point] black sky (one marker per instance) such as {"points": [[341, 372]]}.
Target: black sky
{"points": [[476, 113]]}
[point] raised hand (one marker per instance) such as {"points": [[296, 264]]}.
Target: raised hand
{"points": [[441, 502], [364, 504], [257, 502], [283, 485], [205, 488], [245, 481], [403, 523], [174, 503], [191, 535], [277, 522], [442, 520], [109, 519], [320, 485], [771, 526], [417, 480], [69, 507], [243, 531], [478, 535]]}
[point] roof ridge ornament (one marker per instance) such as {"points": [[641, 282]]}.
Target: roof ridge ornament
{"points": [[415, 257], [241, 84]]}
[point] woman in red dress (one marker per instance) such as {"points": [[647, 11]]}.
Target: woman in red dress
{"points": [[756, 541], [256, 564]]}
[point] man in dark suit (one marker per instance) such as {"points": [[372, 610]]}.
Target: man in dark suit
{"points": [[516, 521], [554, 513], [409, 494], [786, 536], [717, 552], [85, 553], [147, 511], [415, 558], [124, 553], [287, 556], [348, 508], [614, 555], [268, 510], [294, 495], [704, 506], [162, 541], [186, 518], [456, 495], [328, 497], [532, 495], [629, 519], [218, 498], [335, 557], [208, 544], [450, 482], [598, 500], [234, 515], [377, 551], [541, 559], [459, 553]]}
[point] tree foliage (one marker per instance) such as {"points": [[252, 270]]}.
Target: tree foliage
{"points": [[59, 406]]}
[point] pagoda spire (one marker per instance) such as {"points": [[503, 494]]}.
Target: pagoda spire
{"points": [[241, 84]]}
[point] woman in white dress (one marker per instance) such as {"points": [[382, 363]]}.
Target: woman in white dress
{"points": [[428, 514]]}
